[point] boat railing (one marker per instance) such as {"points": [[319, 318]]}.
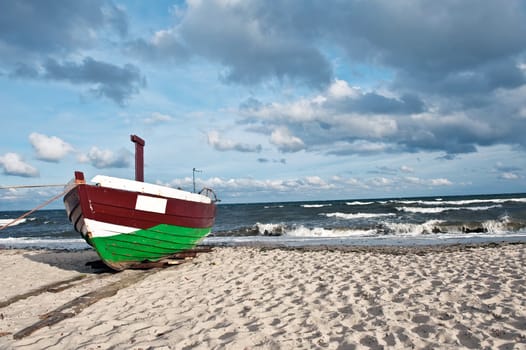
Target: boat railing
{"points": [[208, 192]]}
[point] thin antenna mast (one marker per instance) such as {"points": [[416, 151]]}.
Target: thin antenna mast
{"points": [[194, 170]]}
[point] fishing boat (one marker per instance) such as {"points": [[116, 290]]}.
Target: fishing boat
{"points": [[130, 222]]}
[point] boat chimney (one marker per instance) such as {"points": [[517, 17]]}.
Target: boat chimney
{"points": [[139, 157]]}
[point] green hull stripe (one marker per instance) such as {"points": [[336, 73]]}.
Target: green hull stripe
{"points": [[151, 244]]}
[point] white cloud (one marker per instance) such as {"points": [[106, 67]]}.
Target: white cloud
{"points": [[282, 138], [373, 127], [413, 180], [353, 182], [158, 118], [49, 148], [307, 183], [359, 147], [340, 88], [318, 182], [339, 116], [221, 144], [13, 164], [309, 186], [406, 169], [440, 182], [509, 176], [101, 159]]}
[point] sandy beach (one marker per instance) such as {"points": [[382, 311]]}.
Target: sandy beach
{"points": [[261, 298]]}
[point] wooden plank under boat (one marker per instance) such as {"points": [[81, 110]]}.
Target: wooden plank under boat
{"points": [[130, 223]]}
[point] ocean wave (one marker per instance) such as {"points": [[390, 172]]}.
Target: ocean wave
{"points": [[269, 229], [273, 206], [315, 205], [501, 226], [410, 229], [359, 203], [302, 231], [279, 229], [439, 201], [434, 210], [350, 216]]}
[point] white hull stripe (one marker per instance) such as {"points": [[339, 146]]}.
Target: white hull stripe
{"points": [[103, 229]]}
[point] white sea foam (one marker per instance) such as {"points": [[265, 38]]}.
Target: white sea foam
{"points": [[499, 226], [358, 203], [315, 205], [269, 229], [461, 202], [350, 216], [273, 206], [407, 229], [302, 231], [442, 209]]}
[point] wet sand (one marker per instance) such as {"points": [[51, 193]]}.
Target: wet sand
{"points": [[260, 298]]}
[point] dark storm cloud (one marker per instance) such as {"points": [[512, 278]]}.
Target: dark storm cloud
{"points": [[113, 82], [241, 40], [34, 33], [429, 36], [458, 67], [46, 27], [104, 79], [467, 84], [447, 47], [24, 70], [244, 38], [294, 63], [451, 48], [349, 125], [455, 81]]}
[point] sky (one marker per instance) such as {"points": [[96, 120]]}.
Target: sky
{"points": [[270, 100]]}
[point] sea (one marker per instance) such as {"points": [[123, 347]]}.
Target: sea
{"points": [[366, 222]]}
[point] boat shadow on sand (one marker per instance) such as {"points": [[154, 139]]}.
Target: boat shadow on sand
{"points": [[89, 262], [85, 261]]}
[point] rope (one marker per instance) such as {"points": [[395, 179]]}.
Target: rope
{"points": [[30, 186], [36, 208]]}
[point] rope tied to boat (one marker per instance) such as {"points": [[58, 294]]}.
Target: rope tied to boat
{"points": [[30, 186], [67, 189]]}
